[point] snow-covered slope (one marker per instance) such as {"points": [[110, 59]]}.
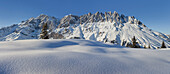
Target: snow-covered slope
{"points": [[29, 29], [168, 38], [79, 57], [107, 27]]}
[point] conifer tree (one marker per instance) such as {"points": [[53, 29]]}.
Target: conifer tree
{"points": [[129, 45], [123, 43], [145, 46], [149, 46], [134, 43], [44, 32], [163, 45]]}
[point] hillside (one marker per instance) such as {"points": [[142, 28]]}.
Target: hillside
{"points": [[79, 57], [104, 27]]}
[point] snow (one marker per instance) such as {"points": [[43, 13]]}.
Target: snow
{"points": [[79, 57], [100, 30]]}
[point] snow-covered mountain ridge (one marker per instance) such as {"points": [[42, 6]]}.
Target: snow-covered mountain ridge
{"points": [[104, 27]]}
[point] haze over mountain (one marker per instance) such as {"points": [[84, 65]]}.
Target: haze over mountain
{"points": [[105, 27]]}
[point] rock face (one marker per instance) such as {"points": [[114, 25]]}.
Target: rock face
{"points": [[68, 20], [56, 36], [29, 29], [168, 38], [104, 27]]}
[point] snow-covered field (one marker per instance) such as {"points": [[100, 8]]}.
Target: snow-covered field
{"points": [[79, 57]]}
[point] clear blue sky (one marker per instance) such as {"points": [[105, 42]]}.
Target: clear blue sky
{"points": [[154, 13]]}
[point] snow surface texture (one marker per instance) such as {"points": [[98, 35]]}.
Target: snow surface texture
{"points": [[79, 57], [99, 27]]}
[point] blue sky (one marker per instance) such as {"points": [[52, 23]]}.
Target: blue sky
{"points": [[154, 13]]}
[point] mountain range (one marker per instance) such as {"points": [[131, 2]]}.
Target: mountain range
{"points": [[106, 27]]}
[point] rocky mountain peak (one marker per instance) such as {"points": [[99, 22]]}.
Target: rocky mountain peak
{"points": [[104, 27]]}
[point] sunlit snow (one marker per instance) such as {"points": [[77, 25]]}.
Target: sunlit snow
{"points": [[79, 57]]}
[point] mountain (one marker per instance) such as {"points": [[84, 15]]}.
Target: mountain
{"points": [[29, 29], [168, 38], [105, 27]]}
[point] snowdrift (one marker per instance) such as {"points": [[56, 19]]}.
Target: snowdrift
{"points": [[79, 57]]}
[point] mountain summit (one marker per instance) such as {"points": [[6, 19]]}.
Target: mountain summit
{"points": [[104, 27]]}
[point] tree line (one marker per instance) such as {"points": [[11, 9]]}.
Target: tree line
{"points": [[44, 35], [135, 44]]}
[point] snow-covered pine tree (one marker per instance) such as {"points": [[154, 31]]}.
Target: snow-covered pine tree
{"points": [[123, 43], [129, 45], [163, 45], [134, 43], [44, 32], [144, 46], [149, 46]]}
